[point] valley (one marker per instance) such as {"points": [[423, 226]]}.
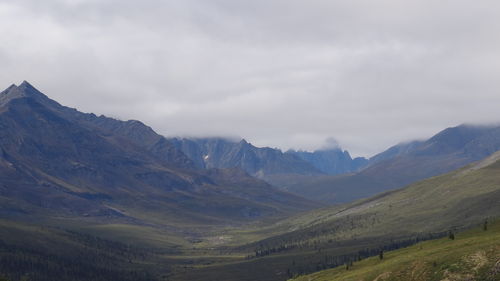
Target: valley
{"points": [[86, 197]]}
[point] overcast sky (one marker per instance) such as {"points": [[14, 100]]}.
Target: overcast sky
{"points": [[288, 74]]}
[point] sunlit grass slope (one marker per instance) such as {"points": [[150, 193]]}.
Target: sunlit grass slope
{"points": [[472, 255], [452, 201]]}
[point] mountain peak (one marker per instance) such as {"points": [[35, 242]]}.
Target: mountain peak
{"points": [[25, 89], [12, 92], [243, 142], [29, 90], [10, 88], [26, 85]]}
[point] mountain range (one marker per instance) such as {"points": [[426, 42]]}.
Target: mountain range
{"points": [[225, 153], [265, 162], [404, 164], [332, 176], [86, 197], [59, 163]]}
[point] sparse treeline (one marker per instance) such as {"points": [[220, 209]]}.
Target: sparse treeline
{"points": [[315, 236], [324, 255], [265, 249], [332, 260]]}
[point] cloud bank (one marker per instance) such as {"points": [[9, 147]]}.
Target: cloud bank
{"points": [[281, 73]]}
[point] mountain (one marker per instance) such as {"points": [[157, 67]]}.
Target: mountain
{"points": [[261, 162], [404, 164], [332, 161], [270, 164], [86, 197], [58, 165]]}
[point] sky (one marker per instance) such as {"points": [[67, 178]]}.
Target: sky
{"points": [[304, 74]]}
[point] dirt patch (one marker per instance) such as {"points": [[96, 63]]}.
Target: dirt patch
{"points": [[382, 276], [448, 276], [477, 260], [219, 240]]}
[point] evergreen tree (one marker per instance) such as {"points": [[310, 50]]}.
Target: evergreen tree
{"points": [[451, 235]]}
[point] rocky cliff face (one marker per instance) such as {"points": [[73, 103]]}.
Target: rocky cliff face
{"points": [[259, 162], [332, 161]]}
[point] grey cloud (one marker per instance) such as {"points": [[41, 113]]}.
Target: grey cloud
{"points": [[283, 73]]}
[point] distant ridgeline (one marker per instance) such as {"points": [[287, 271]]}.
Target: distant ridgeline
{"points": [[404, 164], [264, 161], [332, 176]]}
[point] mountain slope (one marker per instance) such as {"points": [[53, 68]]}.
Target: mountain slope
{"points": [[404, 164], [131, 131], [472, 255], [332, 161], [394, 151], [59, 164], [454, 200]]}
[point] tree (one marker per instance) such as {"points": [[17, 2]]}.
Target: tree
{"points": [[451, 235]]}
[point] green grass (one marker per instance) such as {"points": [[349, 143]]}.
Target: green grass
{"points": [[474, 254], [141, 236], [452, 201], [186, 250]]}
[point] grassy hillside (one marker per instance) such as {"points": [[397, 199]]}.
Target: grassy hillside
{"points": [[453, 200], [472, 255], [328, 237]]}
